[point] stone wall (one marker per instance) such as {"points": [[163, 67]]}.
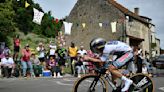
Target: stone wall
{"points": [[93, 12], [139, 30]]}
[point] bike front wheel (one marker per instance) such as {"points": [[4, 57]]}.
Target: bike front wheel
{"points": [[90, 83], [141, 83]]}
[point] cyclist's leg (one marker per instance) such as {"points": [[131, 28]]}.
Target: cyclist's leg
{"points": [[119, 63]]}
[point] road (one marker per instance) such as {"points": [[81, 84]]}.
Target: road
{"points": [[52, 85]]}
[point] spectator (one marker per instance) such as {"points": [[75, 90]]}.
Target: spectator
{"points": [[139, 58], [54, 67], [41, 53], [7, 66], [144, 68], [79, 66], [52, 50], [25, 60], [72, 52], [148, 64], [36, 65], [2, 46], [5, 51], [16, 41], [81, 52], [90, 64], [61, 53]]}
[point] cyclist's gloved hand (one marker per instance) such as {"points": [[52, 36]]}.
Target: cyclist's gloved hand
{"points": [[85, 57]]}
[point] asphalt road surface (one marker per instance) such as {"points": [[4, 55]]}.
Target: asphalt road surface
{"points": [[52, 85]]}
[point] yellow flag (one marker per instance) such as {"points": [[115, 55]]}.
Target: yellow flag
{"points": [[83, 24], [26, 4]]}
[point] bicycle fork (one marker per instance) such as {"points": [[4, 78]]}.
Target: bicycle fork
{"points": [[93, 84]]}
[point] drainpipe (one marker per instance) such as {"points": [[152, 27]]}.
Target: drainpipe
{"points": [[149, 33], [124, 30]]}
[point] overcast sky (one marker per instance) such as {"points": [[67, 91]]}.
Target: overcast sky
{"points": [[150, 8]]}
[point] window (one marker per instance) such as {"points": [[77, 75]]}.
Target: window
{"points": [[130, 19]]}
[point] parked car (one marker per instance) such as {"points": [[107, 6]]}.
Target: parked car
{"points": [[158, 62]]}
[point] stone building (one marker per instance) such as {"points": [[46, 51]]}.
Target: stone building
{"points": [[131, 27]]}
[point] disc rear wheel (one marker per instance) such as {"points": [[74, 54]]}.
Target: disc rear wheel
{"points": [[141, 83]]}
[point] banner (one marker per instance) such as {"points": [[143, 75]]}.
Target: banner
{"points": [[26, 4], [113, 26], [37, 16], [68, 27]]}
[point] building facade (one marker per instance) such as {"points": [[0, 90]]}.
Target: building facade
{"points": [[94, 18]]}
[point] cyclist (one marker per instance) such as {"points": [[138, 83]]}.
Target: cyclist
{"points": [[104, 49]]}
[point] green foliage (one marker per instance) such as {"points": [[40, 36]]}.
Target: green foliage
{"points": [[15, 17], [24, 17], [6, 16]]}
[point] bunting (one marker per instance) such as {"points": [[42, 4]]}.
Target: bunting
{"points": [[37, 16], [113, 26], [68, 27], [100, 25], [83, 24], [26, 4]]}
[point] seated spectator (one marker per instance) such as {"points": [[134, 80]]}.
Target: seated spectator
{"points": [[36, 65], [54, 67], [4, 52], [79, 67], [81, 52], [7, 64]]}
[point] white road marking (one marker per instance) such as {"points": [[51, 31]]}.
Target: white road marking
{"points": [[64, 84], [161, 88], [66, 79]]}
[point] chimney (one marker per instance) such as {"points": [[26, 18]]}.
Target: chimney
{"points": [[136, 10]]}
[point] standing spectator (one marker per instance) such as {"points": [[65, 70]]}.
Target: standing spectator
{"points": [[61, 53], [25, 60], [90, 64], [139, 57], [41, 54], [72, 52], [16, 41], [36, 65], [52, 50], [144, 69], [7, 66]]}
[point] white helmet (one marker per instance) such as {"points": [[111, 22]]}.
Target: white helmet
{"points": [[97, 45]]}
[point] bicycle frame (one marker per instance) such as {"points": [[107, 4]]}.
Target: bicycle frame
{"points": [[109, 81], [107, 77]]}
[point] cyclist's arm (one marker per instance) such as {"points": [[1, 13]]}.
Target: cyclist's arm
{"points": [[87, 58]]}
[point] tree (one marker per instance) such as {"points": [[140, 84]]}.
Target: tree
{"points": [[6, 16]]}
